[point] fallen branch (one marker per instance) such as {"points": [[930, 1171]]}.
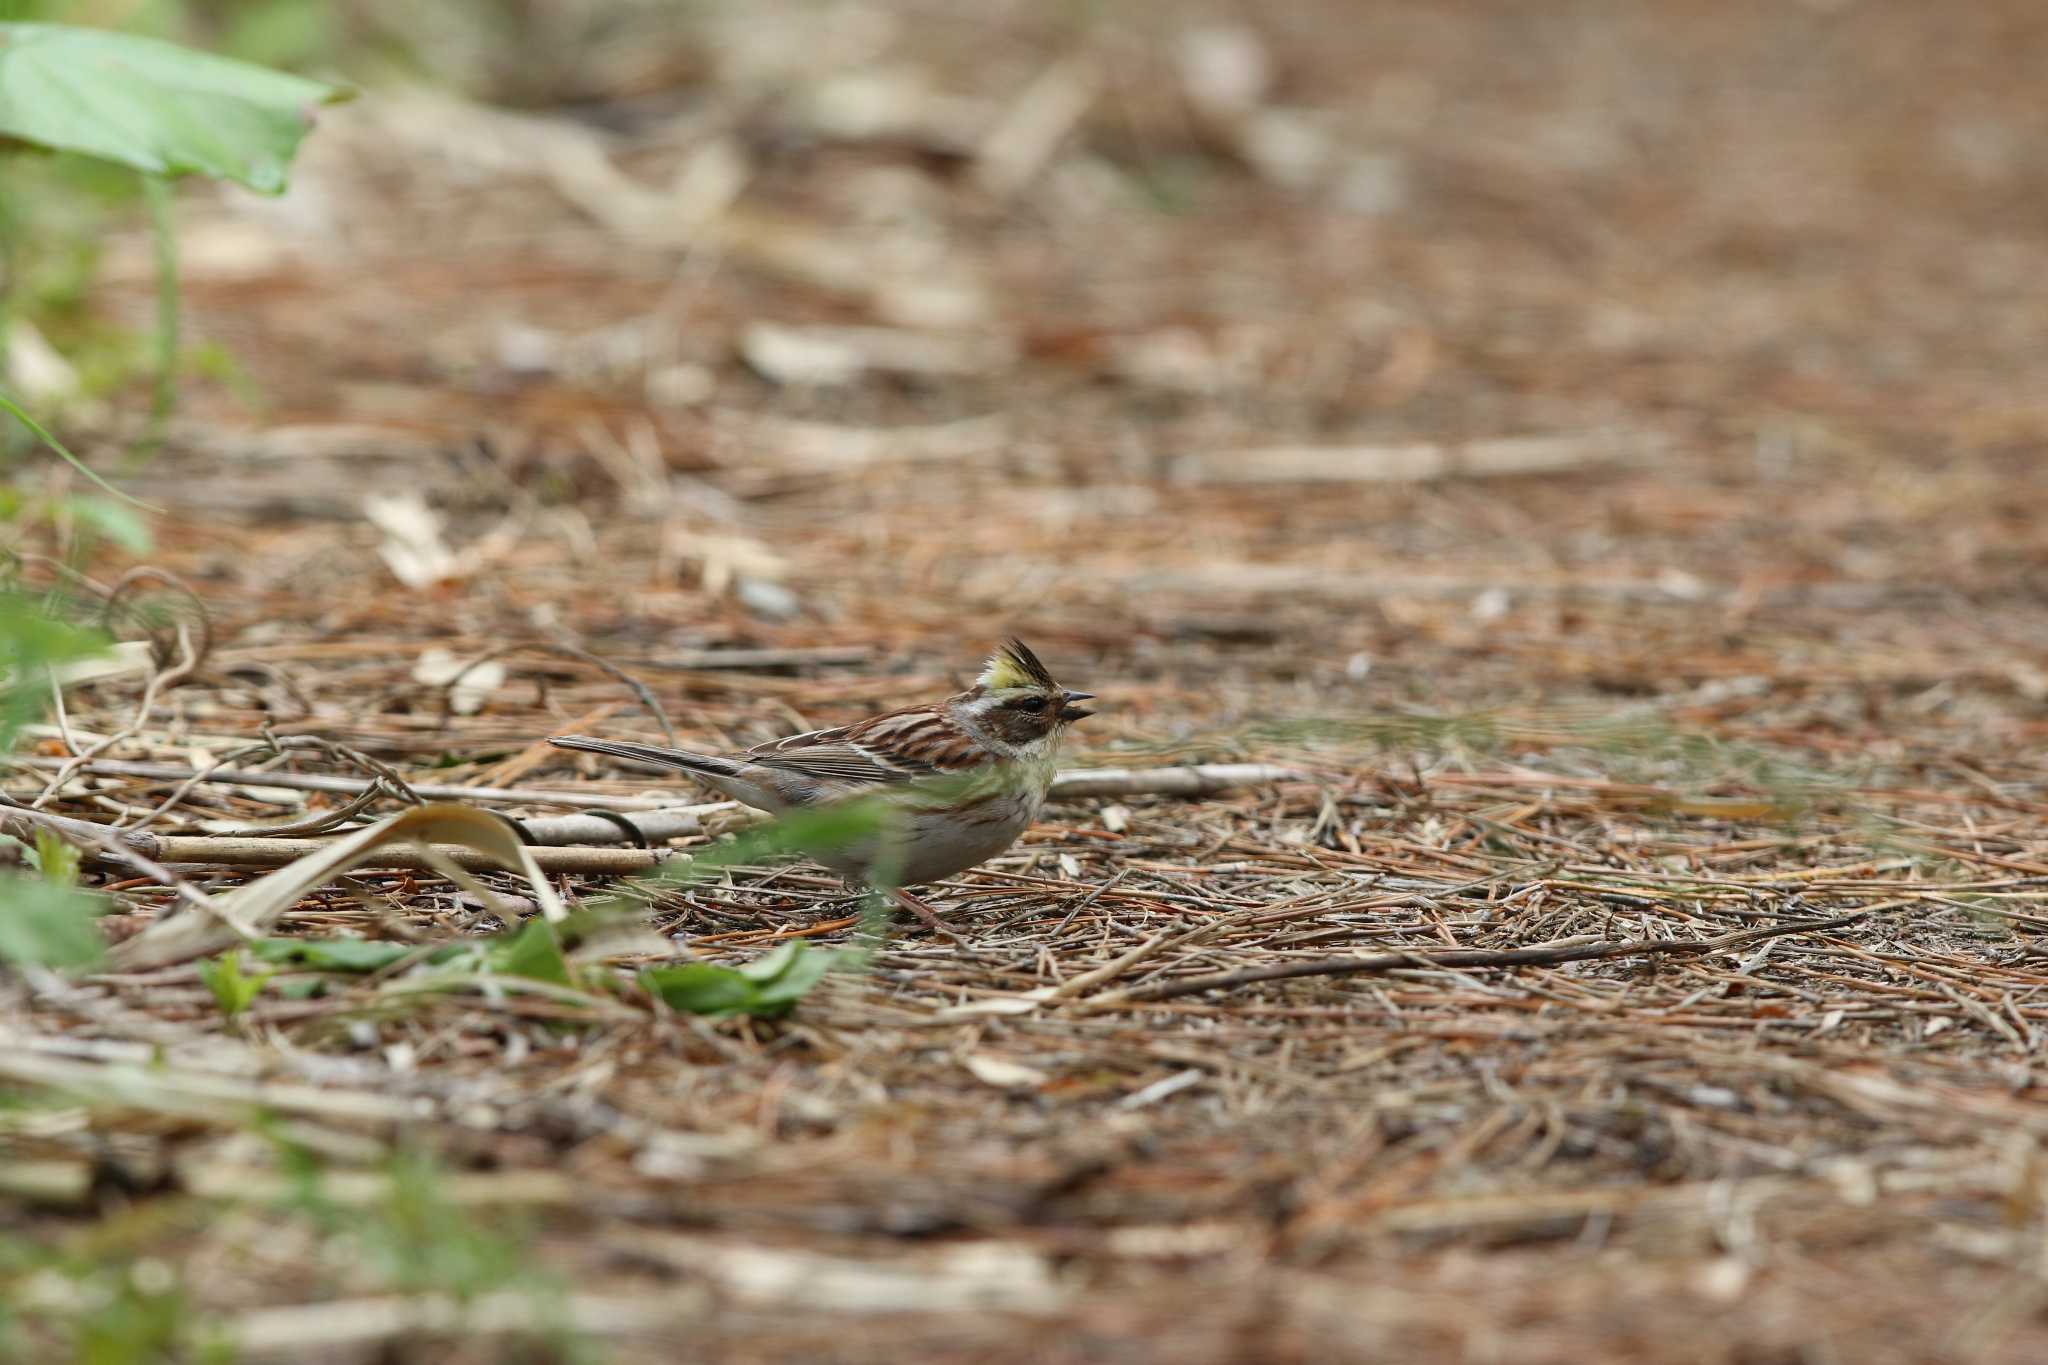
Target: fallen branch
{"points": [[1200, 779], [139, 848], [350, 786], [1458, 957], [290, 1331], [1414, 462], [238, 851]]}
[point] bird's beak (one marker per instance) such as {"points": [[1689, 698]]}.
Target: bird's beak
{"points": [[1069, 711]]}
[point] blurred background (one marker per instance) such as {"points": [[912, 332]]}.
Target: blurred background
{"points": [[1354, 353], [1489, 405]]}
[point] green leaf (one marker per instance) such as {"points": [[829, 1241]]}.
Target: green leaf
{"points": [[700, 988], [783, 974], [56, 860], [533, 952], [331, 954], [158, 107], [47, 925], [36, 429], [768, 986], [31, 640], [233, 989], [113, 520]]}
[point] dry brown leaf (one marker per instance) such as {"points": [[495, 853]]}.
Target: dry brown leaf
{"points": [[252, 909]]}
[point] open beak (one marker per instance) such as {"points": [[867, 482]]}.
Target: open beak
{"points": [[1069, 711]]}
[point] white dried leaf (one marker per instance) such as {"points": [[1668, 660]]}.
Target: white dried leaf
{"points": [[799, 357], [412, 547], [1686, 587], [1116, 819], [525, 349], [681, 385], [1002, 1073], [1023, 1003], [1223, 67], [1491, 604], [437, 666], [2029, 681], [884, 100], [1722, 1280], [33, 367], [936, 298], [1285, 147], [768, 600], [129, 656], [975, 1277], [722, 558]]}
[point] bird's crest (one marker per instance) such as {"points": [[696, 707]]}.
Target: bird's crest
{"points": [[1014, 665]]}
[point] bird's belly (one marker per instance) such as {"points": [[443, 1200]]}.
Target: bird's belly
{"points": [[926, 845], [939, 848]]}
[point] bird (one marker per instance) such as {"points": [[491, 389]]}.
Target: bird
{"points": [[961, 778]]}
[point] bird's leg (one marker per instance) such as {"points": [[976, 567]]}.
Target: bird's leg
{"points": [[930, 918]]}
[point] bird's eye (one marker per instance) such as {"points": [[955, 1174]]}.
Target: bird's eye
{"points": [[1029, 704]]}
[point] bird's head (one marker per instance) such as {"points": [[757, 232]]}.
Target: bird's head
{"points": [[1016, 701]]}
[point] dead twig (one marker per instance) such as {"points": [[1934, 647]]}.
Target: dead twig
{"points": [[1460, 957], [641, 692]]}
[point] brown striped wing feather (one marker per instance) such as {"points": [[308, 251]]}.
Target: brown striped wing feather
{"points": [[898, 747]]}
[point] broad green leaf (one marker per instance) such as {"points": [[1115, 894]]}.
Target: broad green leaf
{"points": [[161, 108], [772, 964], [700, 988], [782, 975], [534, 951], [338, 954], [769, 986], [46, 925]]}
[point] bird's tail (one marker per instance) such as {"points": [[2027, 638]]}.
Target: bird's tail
{"points": [[709, 764]]}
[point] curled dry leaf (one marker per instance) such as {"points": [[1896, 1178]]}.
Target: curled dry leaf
{"points": [[250, 910]]}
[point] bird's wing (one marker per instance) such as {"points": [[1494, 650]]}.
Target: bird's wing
{"points": [[830, 761], [899, 747]]}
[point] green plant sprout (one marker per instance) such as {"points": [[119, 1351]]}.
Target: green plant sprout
{"points": [[163, 111]]}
